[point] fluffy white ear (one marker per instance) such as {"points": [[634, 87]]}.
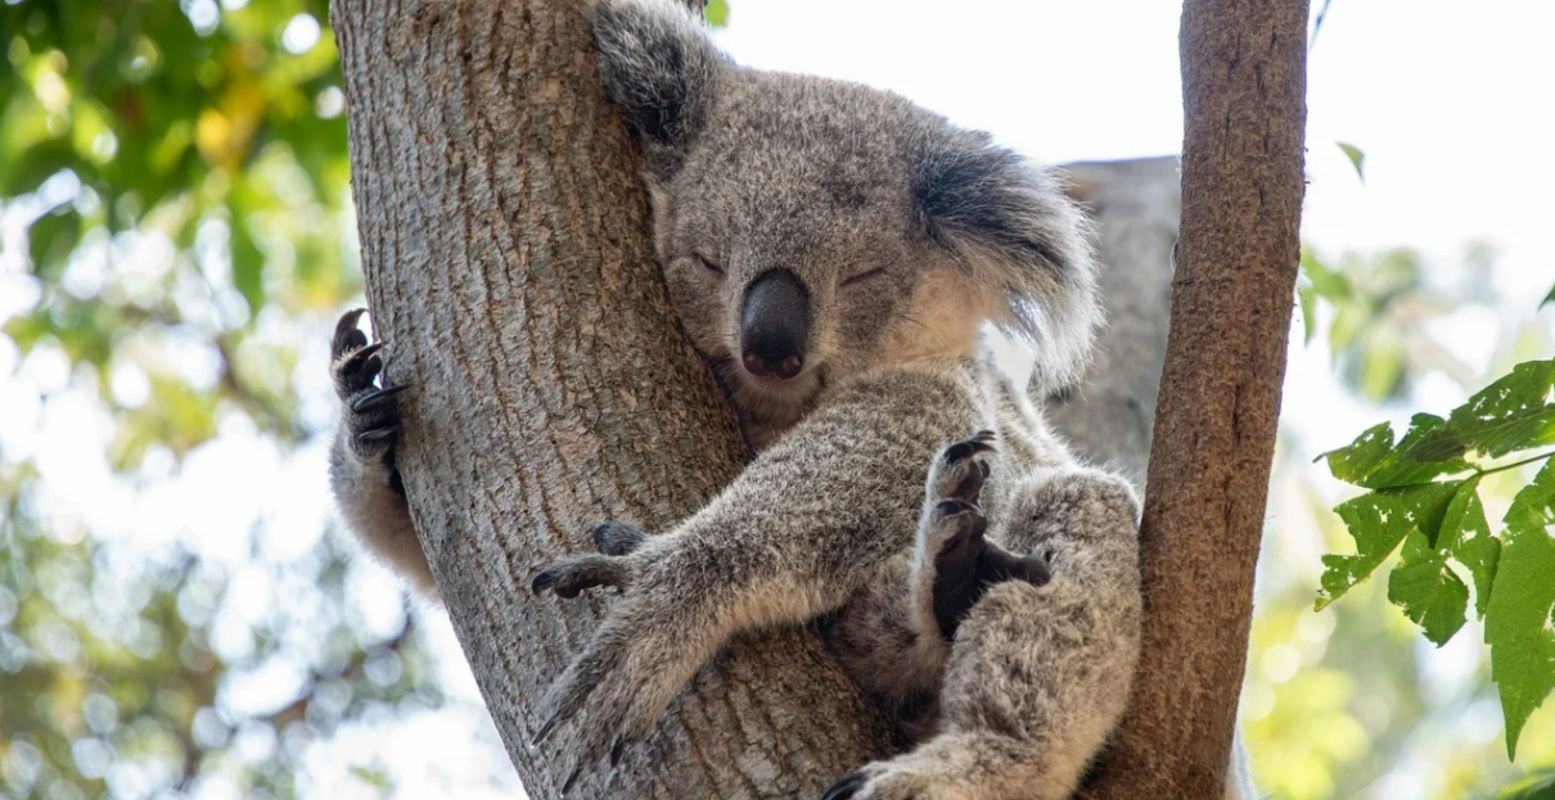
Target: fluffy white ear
{"points": [[659, 68], [1012, 228]]}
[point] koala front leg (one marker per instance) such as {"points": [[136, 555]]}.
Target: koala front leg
{"points": [[808, 522], [1038, 675], [362, 472]]}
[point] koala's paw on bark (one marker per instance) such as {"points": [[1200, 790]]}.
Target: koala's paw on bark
{"points": [[369, 412]]}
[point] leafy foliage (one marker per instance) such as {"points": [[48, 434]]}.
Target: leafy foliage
{"points": [[1438, 523], [1376, 307], [173, 242]]}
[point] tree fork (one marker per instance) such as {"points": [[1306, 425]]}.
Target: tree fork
{"points": [[1244, 85]]}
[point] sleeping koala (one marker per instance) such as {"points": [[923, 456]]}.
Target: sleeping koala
{"points": [[836, 253]]}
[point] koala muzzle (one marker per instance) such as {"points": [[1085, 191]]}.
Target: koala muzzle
{"points": [[775, 325]]}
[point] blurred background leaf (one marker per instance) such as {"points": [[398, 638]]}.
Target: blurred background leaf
{"points": [[174, 241]]}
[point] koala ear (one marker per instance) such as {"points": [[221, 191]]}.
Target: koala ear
{"points": [[1010, 226], [659, 68]]}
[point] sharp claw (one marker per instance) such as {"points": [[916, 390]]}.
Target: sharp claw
{"points": [[845, 788], [376, 397], [361, 355], [545, 730], [571, 779], [542, 582], [617, 538], [377, 435], [346, 335], [952, 505]]}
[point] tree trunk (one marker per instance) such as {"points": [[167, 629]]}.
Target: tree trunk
{"points": [[504, 234], [1244, 85]]}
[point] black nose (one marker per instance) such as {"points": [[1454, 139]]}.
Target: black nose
{"points": [[775, 324]]}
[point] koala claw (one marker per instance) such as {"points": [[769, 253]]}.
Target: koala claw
{"points": [[569, 576], [371, 413], [375, 398], [980, 442], [845, 788], [617, 538], [959, 472]]}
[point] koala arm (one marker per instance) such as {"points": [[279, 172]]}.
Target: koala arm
{"points": [[372, 503], [814, 517], [362, 474]]}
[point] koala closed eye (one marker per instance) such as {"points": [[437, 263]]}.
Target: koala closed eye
{"points": [[711, 265], [862, 276]]}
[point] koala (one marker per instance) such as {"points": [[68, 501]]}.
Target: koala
{"points": [[837, 255]]}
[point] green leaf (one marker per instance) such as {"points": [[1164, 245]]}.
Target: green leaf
{"points": [[1470, 542], [716, 12], [1548, 298], [1517, 620], [1357, 159], [1427, 589], [1514, 413], [1379, 521], [1373, 461]]}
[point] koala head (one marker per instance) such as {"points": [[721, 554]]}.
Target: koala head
{"points": [[810, 229]]}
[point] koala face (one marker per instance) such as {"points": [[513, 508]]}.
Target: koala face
{"points": [[810, 229], [788, 234]]}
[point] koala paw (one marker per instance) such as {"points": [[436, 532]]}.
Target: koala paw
{"points": [[959, 471], [569, 575], [618, 538], [649, 645], [953, 535], [371, 413], [953, 530]]}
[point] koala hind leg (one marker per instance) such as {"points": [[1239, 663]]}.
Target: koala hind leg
{"points": [[1037, 676], [954, 562]]}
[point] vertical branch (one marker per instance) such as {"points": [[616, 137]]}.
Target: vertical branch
{"points": [[1243, 65]]}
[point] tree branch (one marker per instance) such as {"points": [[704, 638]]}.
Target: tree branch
{"points": [[1244, 82]]}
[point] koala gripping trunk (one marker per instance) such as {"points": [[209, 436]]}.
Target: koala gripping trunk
{"points": [[508, 265]]}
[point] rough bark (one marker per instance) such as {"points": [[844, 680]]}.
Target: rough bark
{"points": [[508, 263], [1244, 84]]}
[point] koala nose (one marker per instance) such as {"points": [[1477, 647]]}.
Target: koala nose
{"points": [[775, 324]]}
